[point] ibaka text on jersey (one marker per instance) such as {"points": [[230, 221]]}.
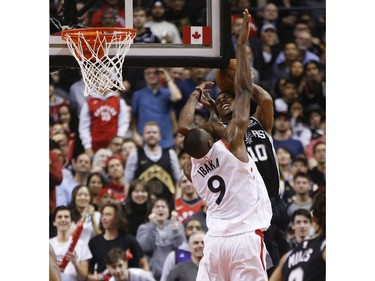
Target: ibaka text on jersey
{"points": [[207, 167]]}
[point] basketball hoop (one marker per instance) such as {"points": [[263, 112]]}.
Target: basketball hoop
{"points": [[90, 47]]}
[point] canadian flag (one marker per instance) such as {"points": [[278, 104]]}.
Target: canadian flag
{"points": [[196, 35]]}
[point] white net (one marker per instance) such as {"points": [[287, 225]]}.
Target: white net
{"points": [[100, 71]]}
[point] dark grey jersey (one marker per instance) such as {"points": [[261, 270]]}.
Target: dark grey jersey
{"points": [[305, 263], [259, 145]]}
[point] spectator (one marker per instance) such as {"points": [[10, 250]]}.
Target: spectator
{"points": [[60, 91], [127, 146], [69, 120], [299, 164], [137, 205], [115, 145], [300, 130], [82, 168], [318, 173], [281, 69], [301, 199], [322, 138], [160, 235], [95, 183], [101, 118], [314, 91], [289, 93], [81, 208], [313, 268], [116, 262], [76, 96], [77, 267], [282, 135], [109, 18], [265, 52], [116, 5], [201, 217], [154, 165], [55, 174], [303, 42], [115, 172], [108, 195], [284, 160], [296, 74], [188, 270], [55, 102], [314, 114], [99, 160], [166, 31], [144, 34], [189, 203], [114, 234], [301, 222], [182, 253], [55, 178], [177, 14], [155, 103], [134, 76]]}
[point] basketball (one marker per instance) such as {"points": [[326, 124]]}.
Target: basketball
{"points": [[225, 77]]}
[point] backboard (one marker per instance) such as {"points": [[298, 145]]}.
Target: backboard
{"points": [[206, 44]]}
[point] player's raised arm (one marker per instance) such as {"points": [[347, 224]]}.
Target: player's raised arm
{"points": [[264, 112], [237, 127], [186, 118]]}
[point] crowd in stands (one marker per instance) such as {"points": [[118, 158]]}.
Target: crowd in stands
{"points": [[116, 160]]}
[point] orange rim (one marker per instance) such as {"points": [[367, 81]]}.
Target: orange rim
{"points": [[93, 32]]}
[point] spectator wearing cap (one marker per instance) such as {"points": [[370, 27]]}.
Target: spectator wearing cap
{"points": [[282, 135], [270, 15], [118, 11], [166, 31], [108, 195], [265, 52]]}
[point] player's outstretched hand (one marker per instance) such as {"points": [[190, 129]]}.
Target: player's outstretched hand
{"points": [[245, 29]]}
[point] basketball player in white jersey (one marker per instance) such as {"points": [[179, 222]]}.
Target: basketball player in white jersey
{"points": [[227, 179]]}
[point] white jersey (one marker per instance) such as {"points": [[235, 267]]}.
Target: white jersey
{"points": [[82, 250], [233, 190]]}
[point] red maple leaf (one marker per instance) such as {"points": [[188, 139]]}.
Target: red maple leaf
{"points": [[196, 35]]}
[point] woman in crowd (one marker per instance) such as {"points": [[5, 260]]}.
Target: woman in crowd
{"points": [[81, 206]]}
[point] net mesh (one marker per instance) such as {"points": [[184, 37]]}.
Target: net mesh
{"points": [[100, 71]]}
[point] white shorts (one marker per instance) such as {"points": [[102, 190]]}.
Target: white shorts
{"points": [[234, 258]]}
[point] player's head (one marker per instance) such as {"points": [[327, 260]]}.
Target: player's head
{"points": [[224, 105], [197, 142], [318, 210]]}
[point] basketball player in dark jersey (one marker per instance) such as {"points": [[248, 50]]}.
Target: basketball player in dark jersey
{"points": [[259, 145], [307, 262]]}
